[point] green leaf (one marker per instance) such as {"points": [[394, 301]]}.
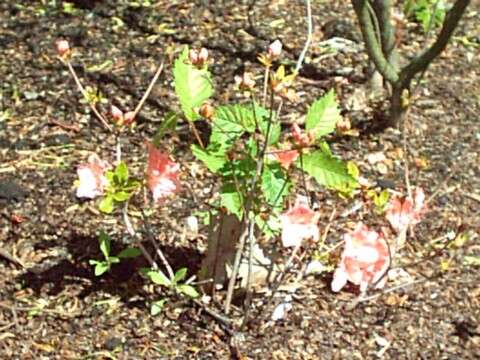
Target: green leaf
{"points": [[121, 196], [157, 307], [169, 123], [323, 115], [327, 170], [129, 252], [121, 173], [188, 290], [101, 268], [274, 184], [180, 275], [106, 205], [231, 199], [230, 122], [159, 278], [192, 85], [104, 241], [113, 260], [213, 160]]}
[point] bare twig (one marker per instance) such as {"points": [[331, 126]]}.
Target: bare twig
{"points": [[309, 37], [149, 89], [85, 96]]}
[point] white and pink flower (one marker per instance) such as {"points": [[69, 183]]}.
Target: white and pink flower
{"points": [[92, 180], [162, 174], [402, 213], [299, 223], [365, 260]]}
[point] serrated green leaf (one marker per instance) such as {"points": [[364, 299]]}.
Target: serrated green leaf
{"points": [[101, 268], [129, 252], [104, 242], [323, 115], [188, 290], [231, 199], [327, 170], [213, 160], [230, 122], [274, 184], [180, 275], [106, 205], [159, 278], [192, 85], [157, 307]]}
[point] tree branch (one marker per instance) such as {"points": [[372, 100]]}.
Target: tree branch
{"points": [[373, 48], [422, 61]]}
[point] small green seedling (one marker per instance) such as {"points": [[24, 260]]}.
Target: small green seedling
{"points": [[176, 284], [119, 189], [102, 266]]}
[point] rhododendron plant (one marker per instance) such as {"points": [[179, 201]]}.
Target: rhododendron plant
{"points": [[299, 223], [162, 174], [365, 260], [92, 180], [407, 212]]}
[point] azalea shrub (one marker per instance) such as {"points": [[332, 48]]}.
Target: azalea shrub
{"points": [[246, 134], [262, 165]]}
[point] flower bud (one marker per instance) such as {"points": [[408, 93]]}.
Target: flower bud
{"points": [[274, 49], [198, 57], [206, 111], [63, 48], [245, 82], [117, 114]]}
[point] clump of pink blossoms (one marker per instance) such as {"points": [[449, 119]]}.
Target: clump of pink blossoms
{"points": [[365, 260], [299, 223], [92, 180], [162, 174], [407, 212]]}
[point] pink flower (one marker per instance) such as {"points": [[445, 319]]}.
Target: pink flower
{"points": [[274, 49], [198, 57], [365, 260], [300, 137], [286, 157], [298, 223], [404, 213], [92, 177], [63, 48], [162, 174]]}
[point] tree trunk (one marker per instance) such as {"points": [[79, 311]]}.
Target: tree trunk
{"points": [[397, 108]]}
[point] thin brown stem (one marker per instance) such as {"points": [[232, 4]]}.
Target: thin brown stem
{"points": [[85, 95], [149, 90]]}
